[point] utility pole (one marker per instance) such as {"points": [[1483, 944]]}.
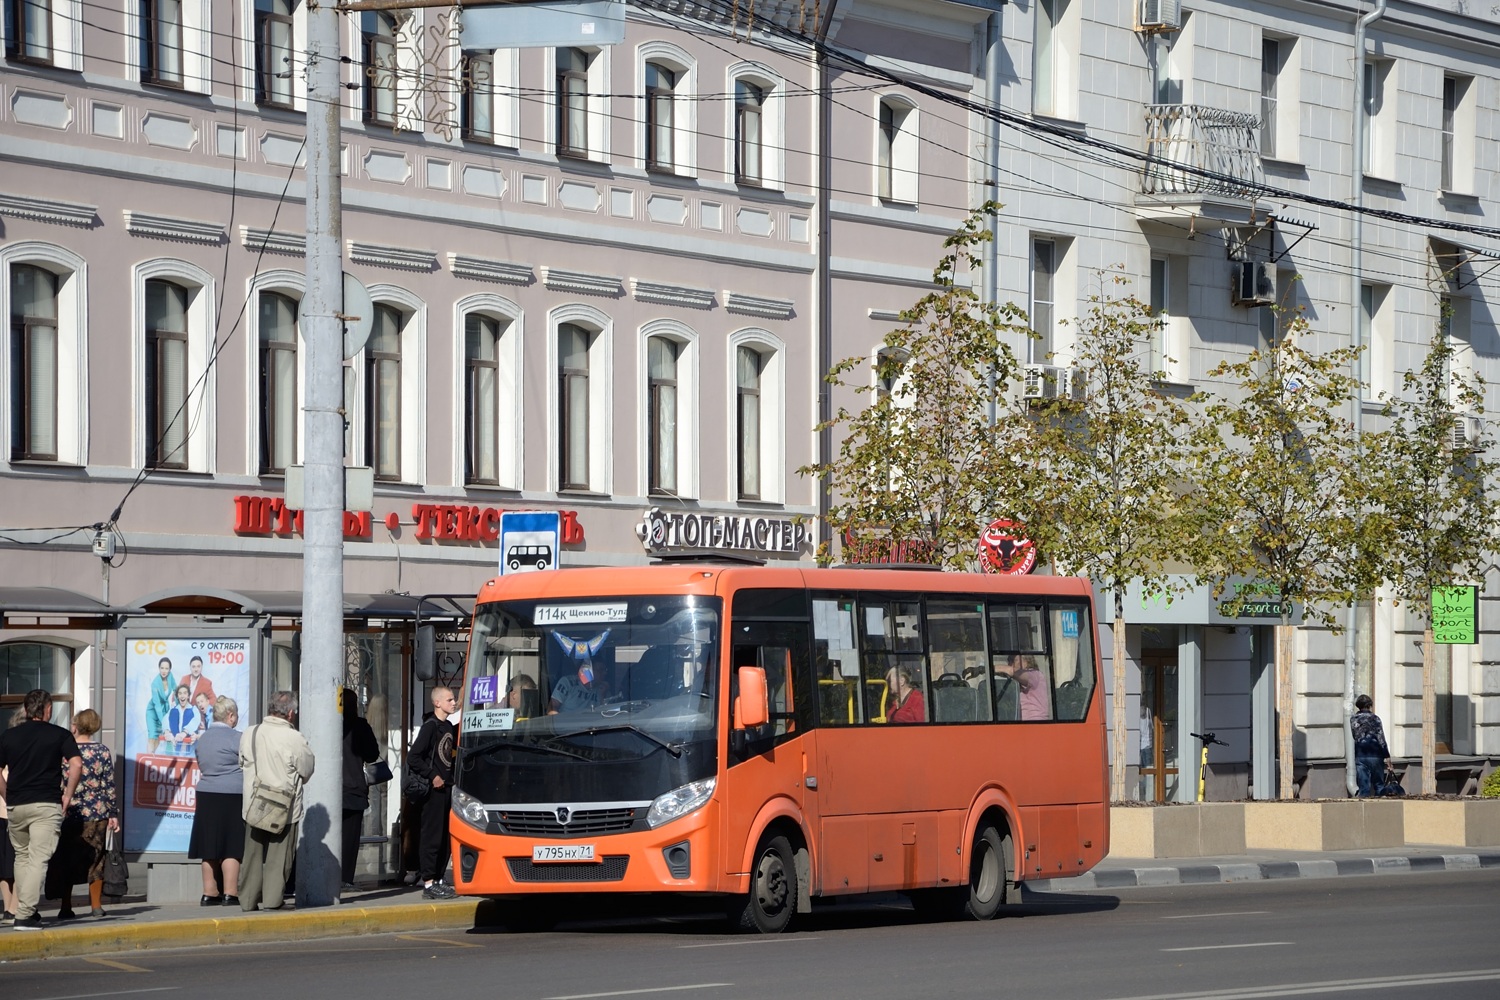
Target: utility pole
{"points": [[322, 666]]}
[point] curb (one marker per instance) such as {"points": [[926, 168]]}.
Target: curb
{"points": [[1149, 874], [324, 922]]}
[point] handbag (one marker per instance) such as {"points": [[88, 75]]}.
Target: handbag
{"points": [[414, 787], [270, 807], [116, 871], [378, 773]]}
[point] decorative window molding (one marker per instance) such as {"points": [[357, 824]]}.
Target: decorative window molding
{"points": [[560, 280], [600, 423], [63, 213], [507, 272], [167, 228], [771, 437], [72, 370], [756, 305], [884, 315], [201, 383], [509, 389], [387, 256], [673, 295], [271, 241], [679, 453], [413, 381]]}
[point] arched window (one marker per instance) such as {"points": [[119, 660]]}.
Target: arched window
{"points": [[166, 375], [661, 409], [481, 399], [383, 394], [896, 152], [42, 296], [756, 427], [747, 368], [574, 410], [278, 382], [757, 127], [583, 428]]}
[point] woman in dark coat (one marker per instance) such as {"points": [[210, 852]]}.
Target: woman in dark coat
{"points": [[360, 748]]}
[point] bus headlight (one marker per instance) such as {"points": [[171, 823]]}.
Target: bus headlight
{"points": [[469, 809], [680, 802]]}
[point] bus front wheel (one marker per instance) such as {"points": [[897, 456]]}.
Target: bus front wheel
{"points": [[773, 889], [987, 875]]}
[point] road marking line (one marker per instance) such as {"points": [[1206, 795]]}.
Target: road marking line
{"points": [[1233, 913], [754, 942], [433, 940], [123, 967], [1216, 947], [114, 993], [654, 989], [1331, 986]]}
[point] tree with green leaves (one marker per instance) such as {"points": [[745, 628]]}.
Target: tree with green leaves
{"points": [[1277, 476], [1099, 484], [1432, 500], [913, 471]]}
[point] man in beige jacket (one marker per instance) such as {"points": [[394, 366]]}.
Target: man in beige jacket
{"points": [[274, 753]]}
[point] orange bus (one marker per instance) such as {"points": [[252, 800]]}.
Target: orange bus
{"points": [[777, 734]]}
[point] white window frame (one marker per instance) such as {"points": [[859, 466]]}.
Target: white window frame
{"points": [[772, 124], [684, 105], [406, 90], [598, 116], [601, 396], [772, 350], [1286, 140], [65, 44], [72, 345], [1380, 110], [896, 159], [413, 385], [509, 388], [298, 46], [504, 95], [688, 412], [293, 285], [1377, 366], [1461, 142], [197, 67], [1056, 42], [201, 408], [1170, 345]]}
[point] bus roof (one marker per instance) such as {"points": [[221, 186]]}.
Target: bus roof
{"points": [[706, 578]]}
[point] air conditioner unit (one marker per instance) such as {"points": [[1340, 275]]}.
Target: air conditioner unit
{"points": [[1467, 430], [1045, 382], [1254, 283], [1078, 385], [1160, 15]]}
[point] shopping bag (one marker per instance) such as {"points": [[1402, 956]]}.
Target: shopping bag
{"points": [[116, 871]]}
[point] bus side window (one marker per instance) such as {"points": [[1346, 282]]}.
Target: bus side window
{"points": [[955, 639], [837, 662], [1073, 669]]}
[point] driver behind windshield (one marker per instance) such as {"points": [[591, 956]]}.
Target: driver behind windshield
{"points": [[575, 692]]}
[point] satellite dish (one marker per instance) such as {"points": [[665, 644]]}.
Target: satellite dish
{"points": [[358, 314]]}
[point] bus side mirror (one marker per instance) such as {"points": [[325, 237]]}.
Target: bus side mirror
{"points": [[424, 653], [752, 707]]}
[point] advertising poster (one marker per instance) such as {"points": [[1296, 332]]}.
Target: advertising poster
{"points": [[170, 686]]}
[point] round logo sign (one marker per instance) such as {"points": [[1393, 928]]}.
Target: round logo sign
{"points": [[1003, 548]]}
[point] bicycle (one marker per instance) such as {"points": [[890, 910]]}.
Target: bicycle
{"points": [[1207, 739]]}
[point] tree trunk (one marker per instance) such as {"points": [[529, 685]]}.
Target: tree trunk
{"points": [[1284, 701], [1118, 660], [1429, 715]]}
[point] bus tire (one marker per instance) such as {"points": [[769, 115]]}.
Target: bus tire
{"points": [[772, 902], [987, 875]]}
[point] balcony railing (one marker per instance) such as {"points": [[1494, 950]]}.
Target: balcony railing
{"points": [[1201, 151]]}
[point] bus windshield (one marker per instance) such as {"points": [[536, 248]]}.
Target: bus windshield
{"points": [[602, 679]]}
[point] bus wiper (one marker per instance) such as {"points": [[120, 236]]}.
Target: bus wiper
{"points": [[674, 749], [542, 746]]}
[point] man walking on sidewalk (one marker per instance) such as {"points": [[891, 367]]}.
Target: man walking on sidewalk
{"points": [[276, 754], [432, 756], [37, 793]]}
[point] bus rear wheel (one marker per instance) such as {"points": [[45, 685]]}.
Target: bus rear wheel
{"points": [[987, 875], [773, 890]]}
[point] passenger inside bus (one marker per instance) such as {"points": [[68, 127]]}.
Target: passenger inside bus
{"points": [[1035, 690], [523, 696], [906, 703], [576, 691]]}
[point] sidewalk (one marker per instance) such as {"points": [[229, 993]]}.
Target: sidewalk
{"points": [[133, 924]]}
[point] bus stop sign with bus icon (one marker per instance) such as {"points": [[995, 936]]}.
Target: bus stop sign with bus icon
{"points": [[529, 541]]}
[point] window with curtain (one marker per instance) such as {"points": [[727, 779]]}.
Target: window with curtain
{"points": [[1043, 278], [273, 53], [278, 382], [29, 34], [749, 118], [573, 405], [661, 365], [33, 363], [166, 375], [379, 40], [383, 394], [481, 398], [660, 118], [1046, 53], [749, 364], [1450, 112], [478, 112], [161, 42], [1270, 75], [572, 103]]}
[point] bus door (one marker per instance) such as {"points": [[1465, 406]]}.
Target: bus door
{"points": [[770, 763]]}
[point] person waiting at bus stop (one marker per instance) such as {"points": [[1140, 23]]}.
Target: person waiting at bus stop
{"points": [[907, 701]]}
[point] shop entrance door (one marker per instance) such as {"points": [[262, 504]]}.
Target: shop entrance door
{"points": [[1159, 773]]}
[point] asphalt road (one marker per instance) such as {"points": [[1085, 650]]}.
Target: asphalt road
{"points": [[1396, 937]]}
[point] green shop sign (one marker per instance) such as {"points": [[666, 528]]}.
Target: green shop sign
{"points": [[1455, 615]]}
